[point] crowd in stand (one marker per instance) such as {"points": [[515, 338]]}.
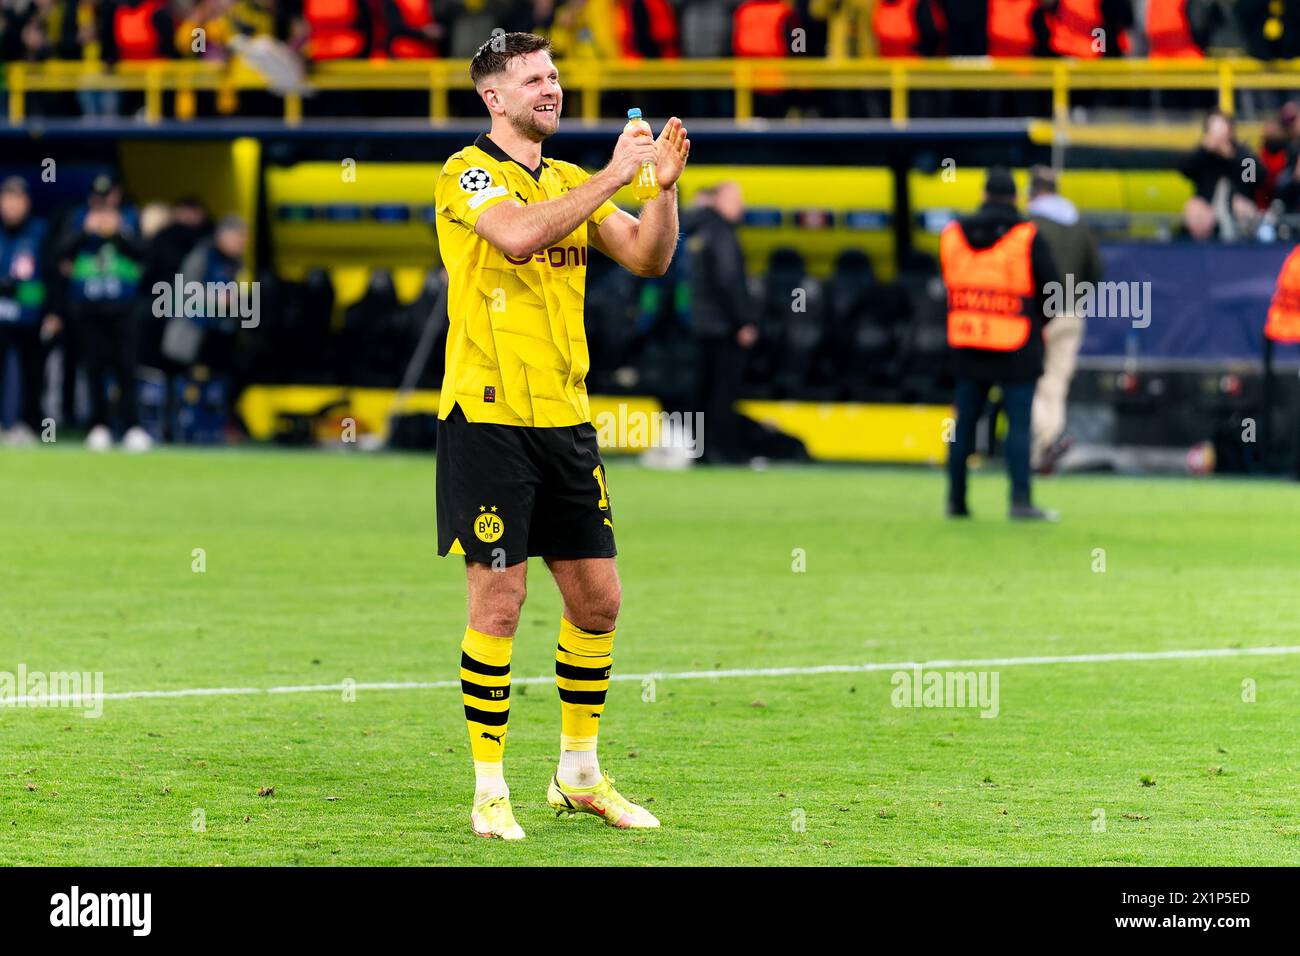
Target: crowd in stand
{"points": [[1240, 192], [283, 39], [114, 30]]}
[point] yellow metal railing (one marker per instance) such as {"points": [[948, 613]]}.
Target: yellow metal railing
{"points": [[588, 79]]}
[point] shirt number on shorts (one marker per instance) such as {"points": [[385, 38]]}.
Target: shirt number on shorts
{"points": [[599, 474]]}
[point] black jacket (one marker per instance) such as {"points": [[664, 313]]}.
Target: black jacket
{"points": [[968, 26], [989, 224], [1206, 168], [720, 299]]}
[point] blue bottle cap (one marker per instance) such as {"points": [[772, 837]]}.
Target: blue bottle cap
{"points": [[634, 113]]}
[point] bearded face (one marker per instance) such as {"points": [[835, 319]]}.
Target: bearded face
{"points": [[530, 92]]}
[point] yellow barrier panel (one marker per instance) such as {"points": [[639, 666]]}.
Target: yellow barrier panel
{"points": [[845, 431], [850, 431], [618, 419]]}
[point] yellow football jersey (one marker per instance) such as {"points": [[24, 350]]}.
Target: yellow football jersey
{"points": [[516, 345]]}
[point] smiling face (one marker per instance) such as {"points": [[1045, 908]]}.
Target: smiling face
{"points": [[527, 94]]}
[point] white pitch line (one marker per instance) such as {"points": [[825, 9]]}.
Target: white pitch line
{"points": [[980, 662]]}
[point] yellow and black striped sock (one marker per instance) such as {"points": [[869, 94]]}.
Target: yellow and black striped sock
{"points": [[485, 687], [582, 665]]}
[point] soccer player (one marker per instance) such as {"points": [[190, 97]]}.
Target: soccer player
{"points": [[519, 470]]}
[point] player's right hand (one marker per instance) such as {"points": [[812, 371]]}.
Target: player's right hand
{"points": [[633, 148]]}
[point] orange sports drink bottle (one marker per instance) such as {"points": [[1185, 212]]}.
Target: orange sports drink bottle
{"points": [[646, 185]]}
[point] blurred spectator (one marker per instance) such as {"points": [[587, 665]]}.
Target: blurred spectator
{"points": [[968, 33], [1168, 30], [722, 315], [1216, 26], [134, 30], [100, 255], [706, 28], [580, 28], [1286, 187], [764, 28], [908, 28], [334, 29], [208, 338], [471, 22], [370, 353], [706, 34], [648, 30], [412, 31], [1018, 28], [187, 224], [1270, 28], [813, 17], [1275, 149], [34, 31], [155, 220], [1076, 254], [26, 30], [27, 309], [1088, 29], [206, 30], [1223, 172]]}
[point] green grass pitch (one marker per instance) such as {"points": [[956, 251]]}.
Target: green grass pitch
{"points": [[321, 568]]}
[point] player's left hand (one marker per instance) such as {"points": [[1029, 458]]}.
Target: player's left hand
{"points": [[671, 149]]}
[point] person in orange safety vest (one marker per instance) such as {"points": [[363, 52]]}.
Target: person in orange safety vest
{"points": [[1000, 274], [1169, 31], [1017, 28], [1088, 29], [1282, 327], [908, 28]]}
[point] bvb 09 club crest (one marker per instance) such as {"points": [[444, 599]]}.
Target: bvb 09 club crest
{"points": [[488, 526]]}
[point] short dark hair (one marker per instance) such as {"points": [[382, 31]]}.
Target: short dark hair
{"points": [[1000, 184], [496, 54]]}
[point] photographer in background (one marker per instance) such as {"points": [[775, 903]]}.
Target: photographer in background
{"points": [[101, 256]]}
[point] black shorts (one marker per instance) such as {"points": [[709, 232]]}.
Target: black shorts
{"points": [[507, 492]]}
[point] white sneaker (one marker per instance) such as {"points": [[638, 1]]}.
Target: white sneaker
{"points": [[20, 436], [137, 440], [99, 439]]}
